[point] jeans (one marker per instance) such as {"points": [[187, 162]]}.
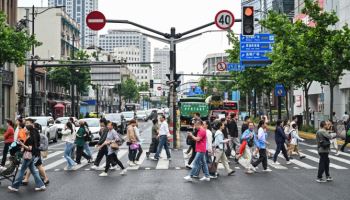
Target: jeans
{"points": [[102, 152], [262, 159], [200, 161], [323, 165], [112, 159], [87, 149], [67, 154], [139, 152], [25, 165], [163, 141], [132, 154], [280, 147], [4, 153]]}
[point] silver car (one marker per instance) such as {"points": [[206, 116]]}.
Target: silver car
{"points": [[141, 115], [94, 127]]}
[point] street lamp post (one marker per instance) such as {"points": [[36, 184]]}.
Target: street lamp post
{"points": [[32, 69]]}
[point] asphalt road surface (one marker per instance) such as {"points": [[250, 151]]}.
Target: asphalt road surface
{"points": [[164, 180]]}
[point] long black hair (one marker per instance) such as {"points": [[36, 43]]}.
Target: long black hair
{"points": [[70, 126], [208, 124], [34, 134], [261, 123]]}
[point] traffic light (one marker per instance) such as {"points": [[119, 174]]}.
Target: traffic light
{"points": [[248, 20], [151, 84]]}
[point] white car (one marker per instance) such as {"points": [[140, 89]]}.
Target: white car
{"points": [[129, 115], [94, 127], [47, 127], [141, 115]]}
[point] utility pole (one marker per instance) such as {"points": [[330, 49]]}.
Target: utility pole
{"points": [[32, 69], [72, 79]]}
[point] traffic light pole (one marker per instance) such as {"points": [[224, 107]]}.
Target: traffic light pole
{"points": [[172, 39]]}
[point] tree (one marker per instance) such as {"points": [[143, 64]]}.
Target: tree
{"points": [[14, 45], [144, 87], [129, 90], [68, 76]]}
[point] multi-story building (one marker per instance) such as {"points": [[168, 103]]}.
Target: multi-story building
{"points": [[126, 38], [8, 72], [131, 54], [160, 70], [78, 10], [211, 60], [57, 43], [319, 95]]}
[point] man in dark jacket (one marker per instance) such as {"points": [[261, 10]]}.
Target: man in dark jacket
{"points": [[104, 150], [233, 130], [245, 124], [280, 138]]}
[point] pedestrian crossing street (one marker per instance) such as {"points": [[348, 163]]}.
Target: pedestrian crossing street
{"points": [[55, 161]]}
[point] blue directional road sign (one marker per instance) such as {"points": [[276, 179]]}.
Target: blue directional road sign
{"points": [[236, 95], [235, 67], [280, 91], [254, 49]]}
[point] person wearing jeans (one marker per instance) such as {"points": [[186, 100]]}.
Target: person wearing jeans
{"points": [[163, 139], [80, 142], [68, 136], [201, 148], [323, 147]]}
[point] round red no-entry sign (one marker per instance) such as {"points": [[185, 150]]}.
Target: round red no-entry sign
{"points": [[159, 88], [95, 20]]}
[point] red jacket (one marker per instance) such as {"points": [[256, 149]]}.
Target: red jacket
{"points": [[9, 135]]}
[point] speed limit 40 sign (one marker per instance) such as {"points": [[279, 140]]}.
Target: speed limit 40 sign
{"points": [[224, 19]]}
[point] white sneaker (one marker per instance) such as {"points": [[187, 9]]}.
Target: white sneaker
{"points": [[205, 179], [113, 168], [94, 167], [12, 189], [188, 178], [254, 169], [103, 174], [42, 188], [131, 164], [123, 172], [288, 163], [65, 168], [276, 163], [337, 154], [267, 170]]}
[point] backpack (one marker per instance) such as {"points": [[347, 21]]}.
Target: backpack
{"points": [[44, 143], [87, 135]]}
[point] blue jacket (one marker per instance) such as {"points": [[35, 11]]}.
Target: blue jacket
{"points": [[280, 136]]}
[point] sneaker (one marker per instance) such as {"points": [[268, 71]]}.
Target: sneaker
{"points": [[188, 178], [205, 179], [254, 168], [103, 174], [267, 170], [12, 189], [301, 157], [169, 159], [188, 166], [276, 163], [113, 168], [154, 158], [231, 173], [123, 172], [249, 172], [288, 163], [213, 176], [66, 168], [131, 164], [195, 176], [291, 158], [94, 167], [337, 154], [147, 154], [329, 179], [42, 188], [320, 180]]}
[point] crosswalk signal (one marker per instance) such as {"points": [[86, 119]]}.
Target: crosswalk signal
{"points": [[248, 20], [151, 84]]}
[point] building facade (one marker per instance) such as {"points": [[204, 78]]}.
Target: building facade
{"points": [[126, 38], [211, 60], [8, 72], [160, 70], [78, 10]]}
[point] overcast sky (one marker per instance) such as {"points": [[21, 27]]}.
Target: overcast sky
{"points": [[163, 14]]}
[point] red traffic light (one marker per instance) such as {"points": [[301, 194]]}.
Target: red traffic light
{"points": [[248, 11]]}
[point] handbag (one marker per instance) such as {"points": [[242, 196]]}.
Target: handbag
{"points": [[44, 154], [114, 146], [213, 166], [134, 146], [27, 155]]}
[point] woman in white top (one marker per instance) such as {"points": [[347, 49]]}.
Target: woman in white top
{"points": [[68, 136], [294, 141], [207, 127]]}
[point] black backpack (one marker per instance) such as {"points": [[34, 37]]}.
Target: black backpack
{"points": [[87, 135]]}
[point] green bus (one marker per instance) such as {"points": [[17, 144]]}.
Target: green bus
{"points": [[188, 107]]}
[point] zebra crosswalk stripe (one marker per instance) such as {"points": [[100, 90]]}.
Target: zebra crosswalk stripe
{"points": [[162, 163], [333, 157], [270, 162], [317, 160], [53, 155], [142, 158], [297, 162]]}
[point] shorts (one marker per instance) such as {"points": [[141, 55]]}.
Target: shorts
{"points": [[37, 161]]}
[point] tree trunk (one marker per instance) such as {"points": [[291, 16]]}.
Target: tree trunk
{"points": [[287, 103], [331, 88], [306, 90]]}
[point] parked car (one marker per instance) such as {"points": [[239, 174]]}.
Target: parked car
{"points": [[129, 115], [60, 124], [47, 127], [119, 119], [94, 127], [141, 115]]}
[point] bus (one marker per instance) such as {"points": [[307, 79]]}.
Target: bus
{"points": [[188, 107], [219, 108], [132, 107]]}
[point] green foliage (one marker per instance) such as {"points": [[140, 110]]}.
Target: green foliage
{"points": [[143, 87], [13, 44], [129, 90], [67, 76], [308, 129]]}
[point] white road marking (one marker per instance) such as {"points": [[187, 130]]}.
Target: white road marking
{"points": [[317, 160], [85, 162], [55, 145], [308, 145], [142, 158], [121, 153], [341, 153], [270, 162], [297, 162], [53, 155], [333, 157], [163, 163]]}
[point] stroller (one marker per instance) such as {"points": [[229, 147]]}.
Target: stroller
{"points": [[15, 160]]}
